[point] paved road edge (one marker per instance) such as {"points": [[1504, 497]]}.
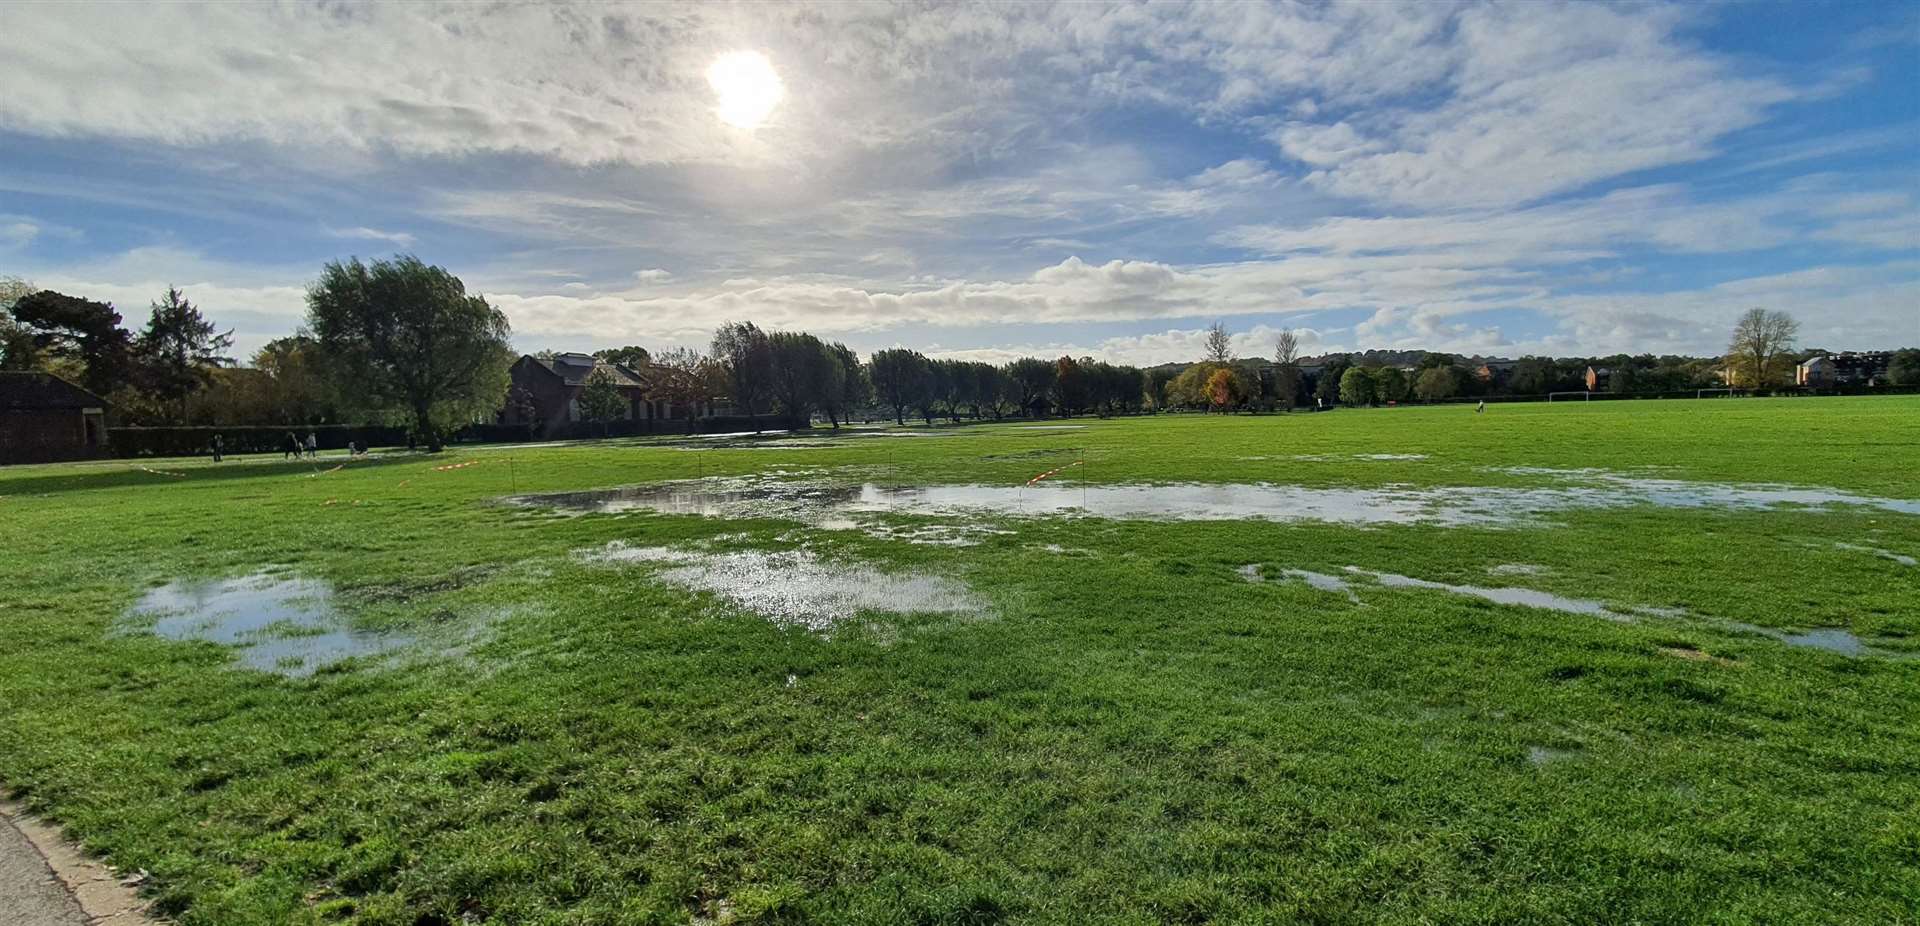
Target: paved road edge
{"points": [[105, 896]]}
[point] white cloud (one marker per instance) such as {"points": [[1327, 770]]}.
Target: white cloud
{"points": [[364, 233], [652, 275], [17, 233], [1543, 99]]}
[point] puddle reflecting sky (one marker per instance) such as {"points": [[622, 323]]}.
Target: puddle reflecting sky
{"points": [[815, 501], [281, 624]]}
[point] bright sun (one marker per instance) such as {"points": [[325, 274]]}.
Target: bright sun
{"points": [[747, 86]]}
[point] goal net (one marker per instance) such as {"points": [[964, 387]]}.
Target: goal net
{"points": [[1719, 393], [1568, 396]]}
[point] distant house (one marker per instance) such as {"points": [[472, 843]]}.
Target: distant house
{"points": [[546, 393], [1598, 379], [1814, 371], [1847, 368], [44, 418], [1495, 372]]}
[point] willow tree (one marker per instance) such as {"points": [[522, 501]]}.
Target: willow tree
{"points": [[403, 334]]}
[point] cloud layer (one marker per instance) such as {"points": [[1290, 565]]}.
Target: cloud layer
{"points": [[985, 179]]}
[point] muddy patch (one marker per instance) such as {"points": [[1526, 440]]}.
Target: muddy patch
{"points": [[795, 588], [1538, 756], [1516, 569], [282, 624], [1691, 654]]}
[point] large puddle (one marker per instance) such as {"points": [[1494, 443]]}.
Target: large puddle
{"points": [[831, 504], [281, 624], [795, 588]]}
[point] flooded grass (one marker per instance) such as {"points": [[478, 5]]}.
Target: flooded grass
{"points": [[1124, 730], [1837, 640], [796, 588], [816, 501], [281, 624]]}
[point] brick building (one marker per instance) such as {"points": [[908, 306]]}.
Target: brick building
{"points": [[44, 418]]}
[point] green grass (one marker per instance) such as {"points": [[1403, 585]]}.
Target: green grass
{"points": [[1132, 734]]}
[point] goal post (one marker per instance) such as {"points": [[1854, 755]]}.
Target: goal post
{"points": [[1561, 396], [1711, 393]]}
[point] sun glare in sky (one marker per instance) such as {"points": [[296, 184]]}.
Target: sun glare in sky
{"points": [[747, 87]]}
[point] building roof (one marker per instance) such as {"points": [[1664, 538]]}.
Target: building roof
{"points": [[573, 369], [34, 391]]}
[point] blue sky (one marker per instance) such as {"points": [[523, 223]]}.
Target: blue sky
{"points": [[991, 181]]}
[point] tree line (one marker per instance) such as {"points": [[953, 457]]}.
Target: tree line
{"points": [[402, 342]]}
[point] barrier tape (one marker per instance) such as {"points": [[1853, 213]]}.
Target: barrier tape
{"points": [[442, 469], [161, 472], [1053, 471]]}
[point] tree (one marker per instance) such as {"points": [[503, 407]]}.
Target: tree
{"points": [[1219, 347], [600, 399], [1533, 376], [403, 333], [633, 357], [1435, 383], [1220, 388], [741, 348], [855, 391], [899, 377], [802, 375], [81, 334], [297, 390], [1356, 387], [1760, 339], [1905, 368], [1069, 386], [1331, 374], [1032, 379], [1198, 385], [1389, 385], [686, 378], [178, 350], [17, 350], [1286, 370]]}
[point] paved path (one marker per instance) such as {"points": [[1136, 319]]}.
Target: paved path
{"points": [[45, 881], [29, 893]]}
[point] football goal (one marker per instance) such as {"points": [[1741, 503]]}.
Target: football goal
{"points": [[1718, 393], [1568, 396]]}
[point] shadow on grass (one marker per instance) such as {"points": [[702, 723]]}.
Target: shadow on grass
{"points": [[82, 477]]}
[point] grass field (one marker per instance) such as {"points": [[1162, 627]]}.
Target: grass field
{"points": [[1125, 719]]}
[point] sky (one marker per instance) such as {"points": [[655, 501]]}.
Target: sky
{"points": [[986, 182]]}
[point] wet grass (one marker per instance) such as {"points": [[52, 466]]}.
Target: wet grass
{"points": [[1131, 732]]}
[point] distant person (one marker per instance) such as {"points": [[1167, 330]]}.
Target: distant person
{"points": [[291, 449], [313, 445], [217, 448], [1481, 407]]}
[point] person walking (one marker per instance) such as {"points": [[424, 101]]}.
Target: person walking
{"points": [[292, 448], [1481, 407], [217, 447], [313, 445]]}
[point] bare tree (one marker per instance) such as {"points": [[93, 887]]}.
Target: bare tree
{"points": [[1286, 359], [1219, 344], [1761, 339]]}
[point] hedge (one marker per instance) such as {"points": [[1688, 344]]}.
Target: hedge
{"points": [[195, 441]]}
